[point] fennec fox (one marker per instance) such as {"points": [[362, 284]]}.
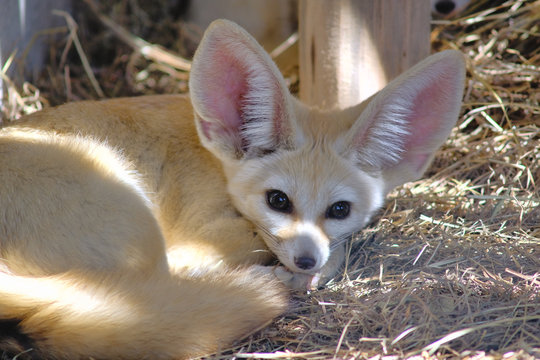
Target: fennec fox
{"points": [[147, 227]]}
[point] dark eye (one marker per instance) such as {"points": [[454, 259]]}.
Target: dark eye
{"points": [[278, 201], [339, 210]]}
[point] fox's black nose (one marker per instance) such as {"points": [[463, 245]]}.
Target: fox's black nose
{"points": [[304, 262]]}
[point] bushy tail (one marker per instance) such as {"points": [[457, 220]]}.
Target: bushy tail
{"points": [[132, 316]]}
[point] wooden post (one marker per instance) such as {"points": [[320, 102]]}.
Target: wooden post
{"points": [[350, 49]]}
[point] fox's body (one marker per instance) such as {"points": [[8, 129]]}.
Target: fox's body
{"points": [[140, 141], [129, 230], [96, 205]]}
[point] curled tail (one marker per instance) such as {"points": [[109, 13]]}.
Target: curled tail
{"points": [[163, 316]]}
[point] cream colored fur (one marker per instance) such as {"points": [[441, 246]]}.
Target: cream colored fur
{"points": [[129, 230]]}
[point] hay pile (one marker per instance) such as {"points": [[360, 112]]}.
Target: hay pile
{"points": [[451, 266]]}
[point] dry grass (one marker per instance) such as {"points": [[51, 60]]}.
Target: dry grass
{"points": [[451, 266]]}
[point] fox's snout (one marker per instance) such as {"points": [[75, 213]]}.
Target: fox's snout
{"points": [[304, 248]]}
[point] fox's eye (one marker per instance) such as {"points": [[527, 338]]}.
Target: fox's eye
{"points": [[339, 210], [279, 201]]}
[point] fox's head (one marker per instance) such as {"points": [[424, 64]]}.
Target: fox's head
{"points": [[308, 178]]}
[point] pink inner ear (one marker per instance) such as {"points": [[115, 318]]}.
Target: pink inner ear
{"points": [[426, 121], [226, 86]]}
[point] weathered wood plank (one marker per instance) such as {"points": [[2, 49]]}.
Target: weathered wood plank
{"points": [[349, 49]]}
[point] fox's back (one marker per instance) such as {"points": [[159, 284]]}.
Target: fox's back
{"points": [[141, 128]]}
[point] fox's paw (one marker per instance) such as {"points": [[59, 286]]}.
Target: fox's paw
{"points": [[295, 281]]}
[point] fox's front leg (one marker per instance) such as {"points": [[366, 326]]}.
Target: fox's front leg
{"points": [[222, 240]]}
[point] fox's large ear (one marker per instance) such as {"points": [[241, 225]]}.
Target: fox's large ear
{"points": [[405, 123], [241, 103]]}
